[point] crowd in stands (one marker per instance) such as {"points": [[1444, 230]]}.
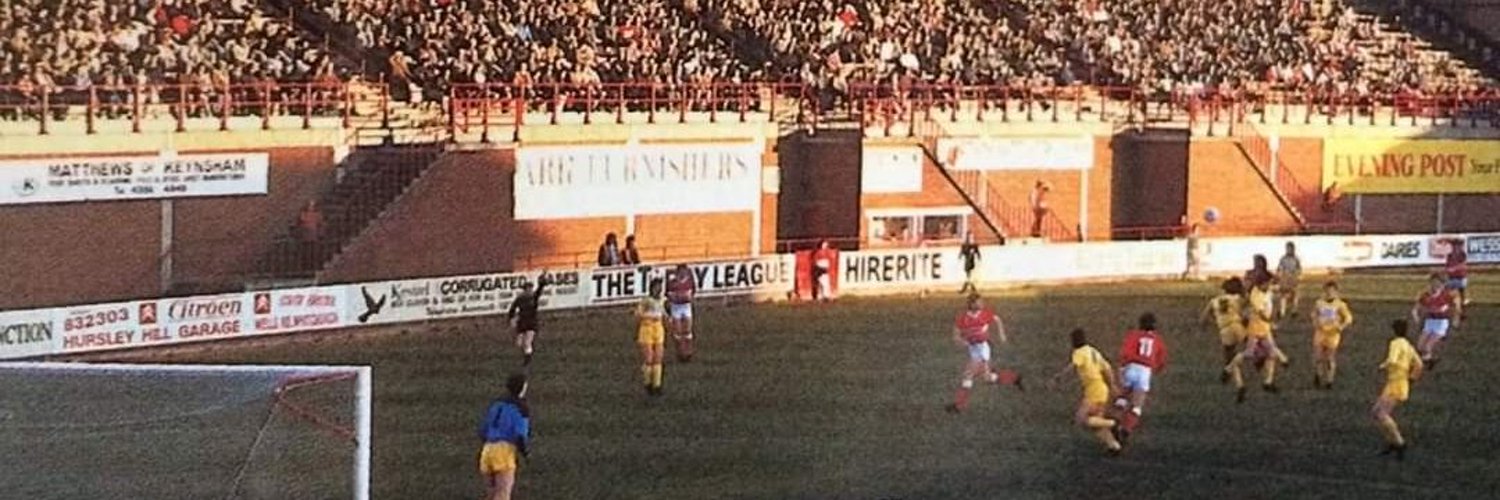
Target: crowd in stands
{"points": [[580, 43], [61, 47], [426, 45]]}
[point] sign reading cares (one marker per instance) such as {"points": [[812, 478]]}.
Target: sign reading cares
{"points": [[132, 177], [1391, 166], [556, 182]]}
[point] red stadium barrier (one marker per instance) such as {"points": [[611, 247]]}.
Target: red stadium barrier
{"points": [[478, 108], [180, 103]]}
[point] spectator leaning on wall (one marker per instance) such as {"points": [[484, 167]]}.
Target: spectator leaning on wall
{"points": [[630, 256], [609, 251]]}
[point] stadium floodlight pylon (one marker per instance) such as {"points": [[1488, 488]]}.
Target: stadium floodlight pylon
{"points": [[80, 430]]}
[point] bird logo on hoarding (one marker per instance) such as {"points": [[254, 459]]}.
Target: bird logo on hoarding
{"points": [[373, 306], [26, 187]]}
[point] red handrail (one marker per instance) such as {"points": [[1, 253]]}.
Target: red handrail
{"points": [[474, 108]]}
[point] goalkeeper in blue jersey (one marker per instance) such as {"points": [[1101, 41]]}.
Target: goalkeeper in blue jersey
{"points": [[506, 431]]}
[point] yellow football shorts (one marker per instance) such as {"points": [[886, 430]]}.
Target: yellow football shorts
{"points": [[1396, 390], [1232, 336], [497, 458], [651, 334], [1096, 394], [1328, 340]]}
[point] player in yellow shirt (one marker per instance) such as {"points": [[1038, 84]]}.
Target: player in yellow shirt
{"points": [[1098, 382], [1227, 312], [650, 335], [1402, 366], [1330, 318], [1260, 343]]}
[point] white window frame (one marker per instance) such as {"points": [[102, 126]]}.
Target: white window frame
{"points": [[918, 217]]}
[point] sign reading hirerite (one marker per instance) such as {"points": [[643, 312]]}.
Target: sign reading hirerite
{"points": [[1396, 166], [555, 182], [132, 177]]}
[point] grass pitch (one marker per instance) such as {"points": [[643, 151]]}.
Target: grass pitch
{"points": [[846, 401]]}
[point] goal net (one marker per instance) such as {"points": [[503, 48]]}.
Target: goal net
{"points": [[75, 430]]}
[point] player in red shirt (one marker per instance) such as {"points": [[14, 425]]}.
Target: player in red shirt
{"points": [[1457, 268], [1437, 308], [972, 330], [1143, 354], [681, 289]]}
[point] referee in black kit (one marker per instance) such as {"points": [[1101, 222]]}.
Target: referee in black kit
{"points": [[523, 315]]}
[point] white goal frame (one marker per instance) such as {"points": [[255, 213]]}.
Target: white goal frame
{"points": [[362, 395]]}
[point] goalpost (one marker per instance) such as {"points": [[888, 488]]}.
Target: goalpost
{"points": [[76, 430]]}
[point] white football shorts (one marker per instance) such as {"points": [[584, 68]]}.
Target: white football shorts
{"points": [[1137, 377]]}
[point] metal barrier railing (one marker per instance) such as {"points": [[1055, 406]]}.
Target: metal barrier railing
{"points": [[479, 108]]}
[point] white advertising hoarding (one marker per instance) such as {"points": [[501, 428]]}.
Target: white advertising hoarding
{"points": [[133, 177], [1483, 248], [770, 276], [905, 268], [106, 326], [299, 309], [95, 327], [890, 169], [455, 296], [557, 182], [28, 333], [1017, 153]]}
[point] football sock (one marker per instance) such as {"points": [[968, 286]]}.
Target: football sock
{"points": [[646, 372], [1132, 419], [961, 398], [1320, 371], [1235, 376], [1270, 371], [1105, 435], [656, 374], [1391, 432], [1280, 356], [1332, 368], [991, 377], [1229, 353], [1097, 422]]}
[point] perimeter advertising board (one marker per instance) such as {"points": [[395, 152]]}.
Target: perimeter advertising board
{"points": [[133, 177], [1409, 166], [455, 297], [564, 182], [28, 333], [769, 276]]}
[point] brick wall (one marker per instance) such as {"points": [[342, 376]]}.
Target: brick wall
{"points": [[452, 220], [459, 219], [219, 241], [1014, 187], [1220, 176], [72, 253]]}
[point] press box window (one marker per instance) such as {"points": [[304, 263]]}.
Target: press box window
{"points": [[892, 229]]}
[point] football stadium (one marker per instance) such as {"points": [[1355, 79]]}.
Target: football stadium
{"points": [[759, 249]]}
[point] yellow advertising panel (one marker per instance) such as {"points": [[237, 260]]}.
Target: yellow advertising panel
{"points": [[1391, 166]]}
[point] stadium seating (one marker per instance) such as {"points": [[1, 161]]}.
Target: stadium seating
{"points": [[212, 52]]}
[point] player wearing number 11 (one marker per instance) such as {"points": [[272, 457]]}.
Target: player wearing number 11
{"points": [[1142, 355]]}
